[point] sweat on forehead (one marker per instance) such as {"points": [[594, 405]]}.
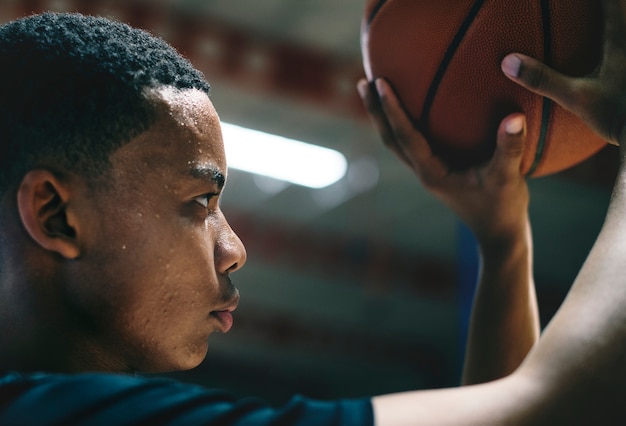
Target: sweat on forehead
{"points": [[184, 141], [186, 106], [72, 90]]}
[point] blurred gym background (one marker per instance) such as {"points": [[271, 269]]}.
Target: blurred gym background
{"points": [[362, 287]]}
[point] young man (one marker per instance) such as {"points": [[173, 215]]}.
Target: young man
{"points": [[115, 256]]}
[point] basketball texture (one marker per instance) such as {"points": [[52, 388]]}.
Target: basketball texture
{"points": [[443, 59]]}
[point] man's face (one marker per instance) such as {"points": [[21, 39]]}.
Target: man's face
{"points": [[153, 282]]}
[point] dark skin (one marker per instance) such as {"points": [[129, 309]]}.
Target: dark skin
{"points": [[493, 201], [575, 374], [134, 275], [102, 289]]}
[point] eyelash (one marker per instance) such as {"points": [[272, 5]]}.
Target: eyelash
{"points": [[204, 199]]}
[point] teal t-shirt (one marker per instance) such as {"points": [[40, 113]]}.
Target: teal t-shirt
{"points": [[116, 399]]}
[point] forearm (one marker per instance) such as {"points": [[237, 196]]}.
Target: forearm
{"points": [[575, 374], [504, 324]]}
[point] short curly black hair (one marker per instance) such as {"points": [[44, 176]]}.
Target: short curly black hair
{"points": [[73, 89]]}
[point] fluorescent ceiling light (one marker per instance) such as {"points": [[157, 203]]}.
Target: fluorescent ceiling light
{"points": [[282, 158]]}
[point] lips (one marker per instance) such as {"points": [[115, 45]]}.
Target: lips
{"points": [[225, 319], [224, 315]]}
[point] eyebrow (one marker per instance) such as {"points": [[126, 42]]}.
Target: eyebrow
{"points": [[208, 173]]}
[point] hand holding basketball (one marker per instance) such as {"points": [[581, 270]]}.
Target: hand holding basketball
{"points": [[443, 60], [599, 99], [491, 199]]}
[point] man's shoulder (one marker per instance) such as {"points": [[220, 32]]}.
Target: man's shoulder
{"points": [[101, 398]]}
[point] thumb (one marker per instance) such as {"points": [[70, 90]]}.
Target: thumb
{"points": [[598, 101], [540, 79], [507, 158]]}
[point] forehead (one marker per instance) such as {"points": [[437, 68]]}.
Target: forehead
{"points": [[184, 141]]}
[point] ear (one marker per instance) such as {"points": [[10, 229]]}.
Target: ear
{"points": [[42, 202]]}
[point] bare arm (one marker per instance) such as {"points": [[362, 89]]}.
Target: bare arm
{"points": [[504, 323], [492, 200], [576, 373]]}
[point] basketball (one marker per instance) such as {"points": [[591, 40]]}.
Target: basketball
{"points": [[442, 57]]}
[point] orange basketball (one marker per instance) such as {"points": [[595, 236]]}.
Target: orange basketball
{"points": [[443, 59]]}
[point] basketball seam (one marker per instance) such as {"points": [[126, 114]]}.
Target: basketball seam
{"points": [[375, 11], [445, 62], [547, 103]]}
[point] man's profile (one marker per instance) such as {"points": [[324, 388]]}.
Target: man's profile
{"points": [[115, 257], [137, 219]]}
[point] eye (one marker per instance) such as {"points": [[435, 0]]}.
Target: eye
{"points": [[204, 199]]}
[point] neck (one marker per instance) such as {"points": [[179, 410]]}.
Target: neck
{"points": [[37, 334]]}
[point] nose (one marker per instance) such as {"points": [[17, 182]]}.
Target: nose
{"points": [[230, 253]]}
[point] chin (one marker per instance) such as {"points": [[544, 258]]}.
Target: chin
{"points": [[172, 362], [190, 360], [190, 365]]}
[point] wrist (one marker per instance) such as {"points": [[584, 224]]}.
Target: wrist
{"points": [[515, 242]]}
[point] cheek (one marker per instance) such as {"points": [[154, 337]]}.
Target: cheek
{"points": [[175, 309], [154, 294], [170, 256], [175, 264], [141, 258]]}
